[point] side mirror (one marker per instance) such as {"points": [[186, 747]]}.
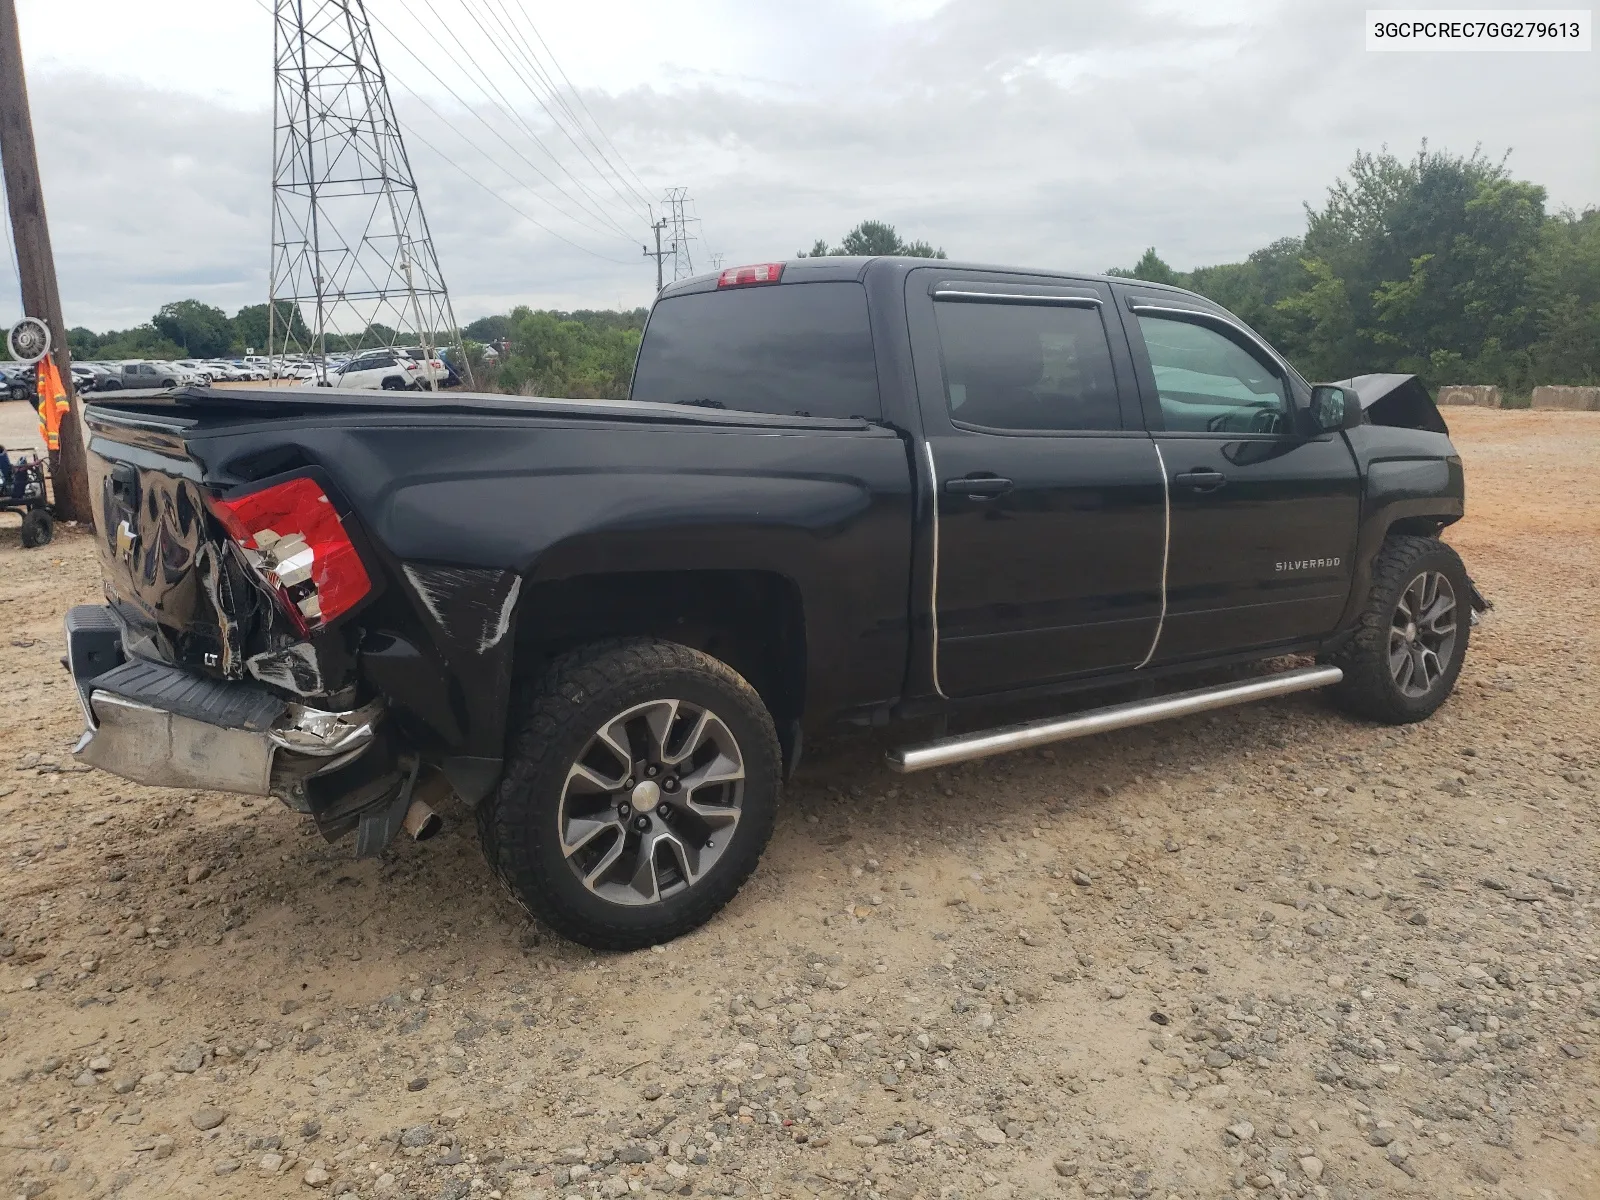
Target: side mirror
{"points": [[1334, 408]]}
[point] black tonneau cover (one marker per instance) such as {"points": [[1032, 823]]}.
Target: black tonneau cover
{"points": [[275, 402]]}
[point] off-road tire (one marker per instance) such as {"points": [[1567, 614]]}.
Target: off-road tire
{"points": [[1369, 688], [38, 527], [552, 719]]}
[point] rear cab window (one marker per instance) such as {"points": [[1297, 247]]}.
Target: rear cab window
{"points": [[788, 349], [1026, 366]]}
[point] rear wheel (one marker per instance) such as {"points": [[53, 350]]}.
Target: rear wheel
{"points": [[38, 527], [641, 786], [1411, 640]]}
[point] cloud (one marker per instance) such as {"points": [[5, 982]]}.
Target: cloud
{"points": [[1024, 131]]}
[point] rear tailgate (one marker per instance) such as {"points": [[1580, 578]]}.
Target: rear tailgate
{"points": [[160, 557], [235, 586]]}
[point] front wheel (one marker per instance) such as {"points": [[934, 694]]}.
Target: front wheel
{"points": [[1411, 639], [641, 786]]}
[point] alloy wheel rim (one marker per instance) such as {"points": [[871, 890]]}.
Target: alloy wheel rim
{"points": [[651, 803], [1422, 634]]}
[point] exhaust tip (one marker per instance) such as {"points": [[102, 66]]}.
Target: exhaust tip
{"points": [[421, 821]]}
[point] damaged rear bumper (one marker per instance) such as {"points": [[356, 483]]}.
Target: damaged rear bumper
{"points": [[166, 727]]}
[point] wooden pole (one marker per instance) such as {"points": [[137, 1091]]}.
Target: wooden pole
{"points": [[35, 263]]}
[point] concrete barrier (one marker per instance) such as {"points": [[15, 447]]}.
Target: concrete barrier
{"points": [[1471, 395], [1567, 399]]}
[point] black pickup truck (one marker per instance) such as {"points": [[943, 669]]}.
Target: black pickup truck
{"points": [[857, 490]]}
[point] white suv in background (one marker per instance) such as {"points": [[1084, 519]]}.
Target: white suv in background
{"points": [[433, 370], [207, 376], [390, 370]]}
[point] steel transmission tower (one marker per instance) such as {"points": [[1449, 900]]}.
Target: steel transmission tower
{"points": [[678, 221], [352, 259]]}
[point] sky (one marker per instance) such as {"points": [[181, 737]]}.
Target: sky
{"points": [[1034, 132]]}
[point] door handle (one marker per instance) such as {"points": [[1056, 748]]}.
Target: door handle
{"points": [[979, 487], [1201, 479]]}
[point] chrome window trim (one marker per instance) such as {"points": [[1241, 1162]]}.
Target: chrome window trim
{"points": [[1056, 301], [1166, 551], [1216, 319], [933, 602]]}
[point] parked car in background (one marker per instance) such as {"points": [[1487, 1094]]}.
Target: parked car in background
{"points": [[433, 372], [200, 369], [109, 376], [16, 383], [227, 371], [186, 376], [386, 369], [148, 375]]}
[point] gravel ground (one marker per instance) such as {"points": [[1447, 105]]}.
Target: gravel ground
{"points": [[1267, 952]]}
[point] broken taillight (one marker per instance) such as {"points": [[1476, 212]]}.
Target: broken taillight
{"points": [[292, 537]]}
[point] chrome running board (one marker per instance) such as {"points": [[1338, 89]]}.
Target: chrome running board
{"points": [[967, 746]]}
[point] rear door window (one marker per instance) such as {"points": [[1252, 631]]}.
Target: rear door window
{"points": [[1043, 367], [798, 349]]}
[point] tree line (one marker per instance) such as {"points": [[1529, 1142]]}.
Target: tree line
{"points": [[1441, 266], [584, 355], [188, 329]]}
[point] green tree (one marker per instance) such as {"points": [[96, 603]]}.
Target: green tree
{"points": [[1149, 268], [488, 329], [142, 341], [199, 329], [251, 329], [1565, 285], [557, 354], [873, 238], [83, 343]]}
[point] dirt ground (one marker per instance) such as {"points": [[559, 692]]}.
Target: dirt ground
{"points": [[1265, 952]]}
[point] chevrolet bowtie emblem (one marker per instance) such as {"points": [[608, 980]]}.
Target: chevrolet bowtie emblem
{"points": [[126, 539]]}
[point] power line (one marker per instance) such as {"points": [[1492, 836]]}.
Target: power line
{"points": [[635, 185], [519, 44], [434, 75], [597, 205], [532, 220], [577, 95], [590, 211], [411, 131]]}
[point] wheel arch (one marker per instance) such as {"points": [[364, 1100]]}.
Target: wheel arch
{"points": [[1420, 516], [751, 619]]}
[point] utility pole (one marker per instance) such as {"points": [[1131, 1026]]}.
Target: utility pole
{"points": [[36, 265], [658, 253]]}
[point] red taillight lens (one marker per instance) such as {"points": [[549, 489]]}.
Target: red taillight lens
{"points": [[745, 276], [291, 534]]}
